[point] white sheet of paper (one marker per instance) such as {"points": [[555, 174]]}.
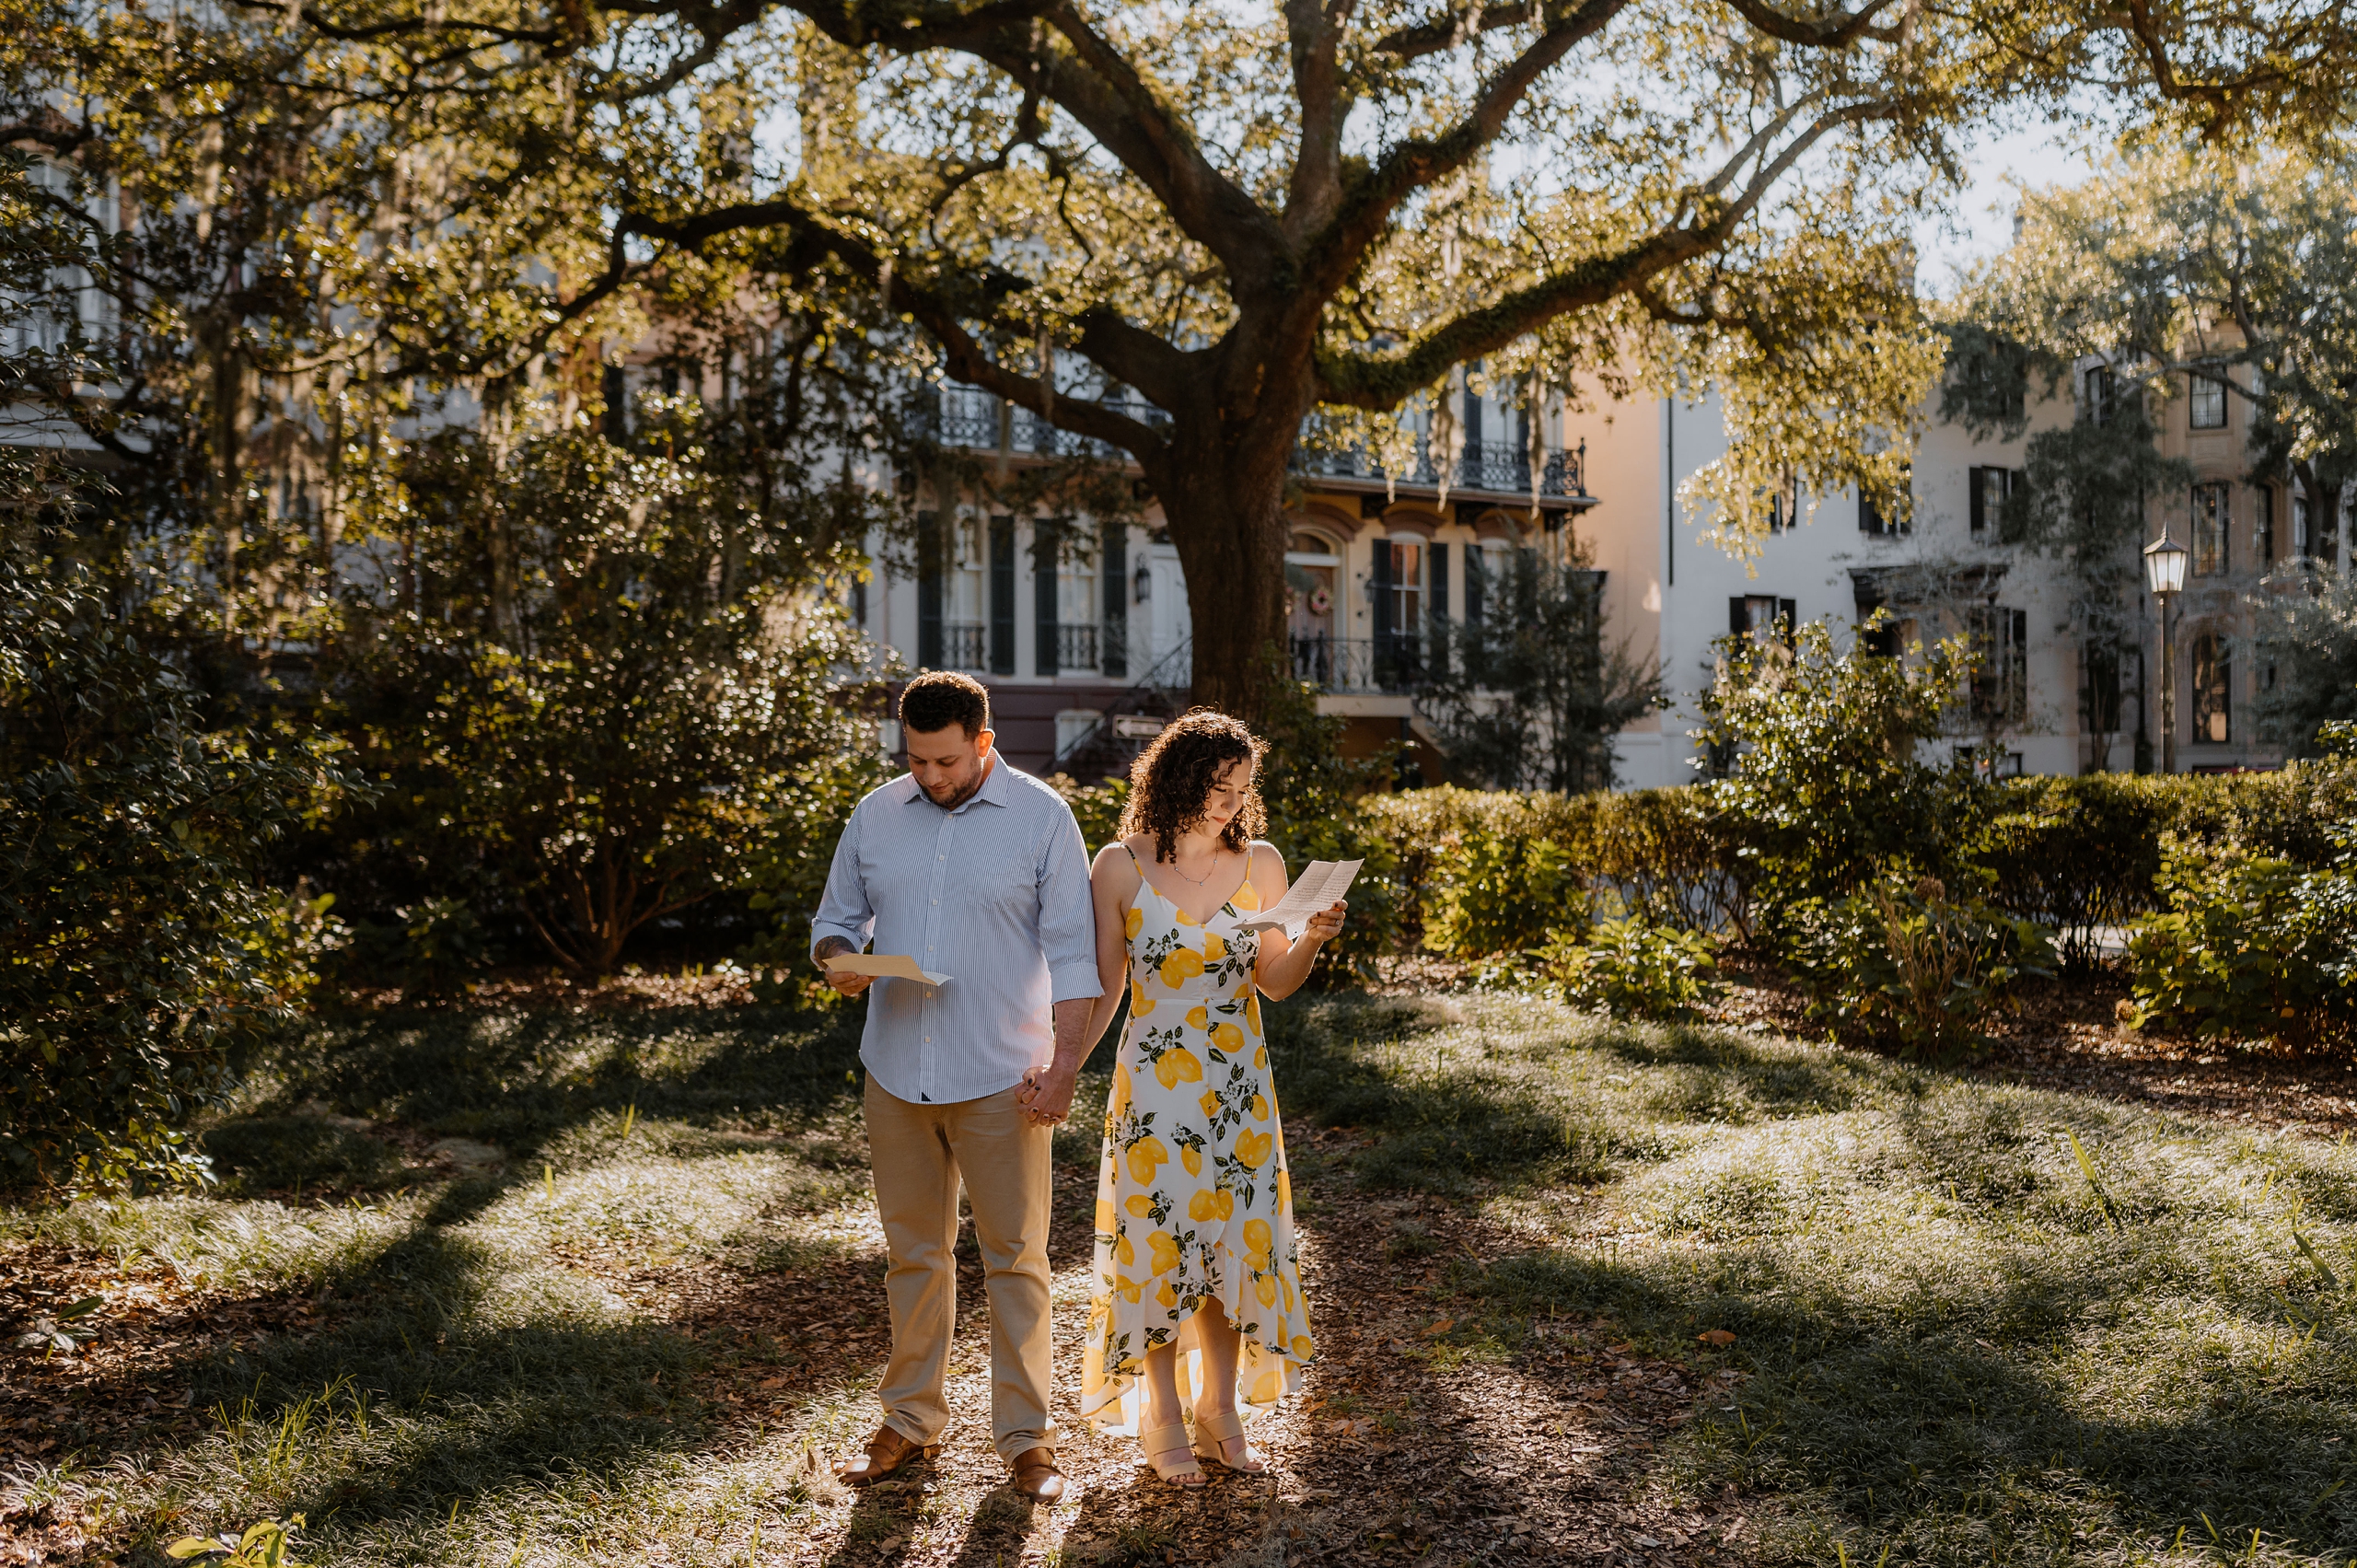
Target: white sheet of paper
{"points": [[885, 966], [1320, 885]]}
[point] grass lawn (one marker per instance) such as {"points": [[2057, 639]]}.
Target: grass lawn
{"points": [[511, 1288]]}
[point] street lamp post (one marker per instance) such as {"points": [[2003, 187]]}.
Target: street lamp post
{"points": [[2165, 575]]}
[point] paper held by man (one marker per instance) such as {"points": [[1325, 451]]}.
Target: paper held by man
{"points": [[1320, 885], [885, 966]]}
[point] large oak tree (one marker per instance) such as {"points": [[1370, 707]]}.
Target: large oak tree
{"points": [[1243, 215]]}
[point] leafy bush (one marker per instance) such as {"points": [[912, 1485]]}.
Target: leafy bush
{"points": [[426, 949], [2074, 854], [1823, 788], [139, 951], [1907, 966], [635, 697], [1488, 872], [1632, 968], [1505, 892], [2252, 947]]}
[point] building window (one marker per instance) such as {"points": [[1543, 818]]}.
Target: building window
{"points": [[1072, 726], [2096, 398], [1763, 617], [2304, 541], [2206, 408], [2001, 683], [2262, 523], [1783, 505], [1077, 620], [1397, 590], [1989, 489], [2212, 683], [2211, 556], [964, 635], [1871, 520]]}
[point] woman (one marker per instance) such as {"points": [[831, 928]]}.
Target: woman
{"points": [[1198, 1296]]}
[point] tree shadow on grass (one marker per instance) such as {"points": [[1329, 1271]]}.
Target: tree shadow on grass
{"points": [[517, 1078], [1938, 1444], [442, 1376]]}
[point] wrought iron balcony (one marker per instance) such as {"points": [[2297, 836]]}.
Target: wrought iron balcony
{"points": [[1076, 645], [969, 417], [1487, 468], [1391, 664], [965, 645]]}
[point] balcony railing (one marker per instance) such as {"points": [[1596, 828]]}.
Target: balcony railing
{"points": [[967, 416], [1075, 646], [1360, 664], [965, 645], [1494, 467]]}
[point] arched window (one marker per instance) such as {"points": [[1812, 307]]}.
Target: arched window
{"points": [[2213, 686]]}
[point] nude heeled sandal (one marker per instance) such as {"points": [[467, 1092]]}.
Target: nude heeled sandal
{"points": [[1212, 1433], [1170, 1439]]}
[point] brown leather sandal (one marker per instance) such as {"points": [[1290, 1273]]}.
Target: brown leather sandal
{"points": [[1036, 1475], [886, 1452]]}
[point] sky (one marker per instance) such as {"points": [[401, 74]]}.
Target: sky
{"points": [[1981, 222]]}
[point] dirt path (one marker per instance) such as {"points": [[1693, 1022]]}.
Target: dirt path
{"points": [[1413, 1440]]}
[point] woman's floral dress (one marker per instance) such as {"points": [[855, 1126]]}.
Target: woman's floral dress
{"points": [[1193, 1204]]}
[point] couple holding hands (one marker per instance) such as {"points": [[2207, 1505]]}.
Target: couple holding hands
{"points": [[977, 871]]}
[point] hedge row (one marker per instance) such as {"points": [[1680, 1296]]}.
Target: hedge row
{"points": [[1483, 873]]}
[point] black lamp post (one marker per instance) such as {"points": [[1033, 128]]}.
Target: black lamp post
{"points": [[2165, 562]]}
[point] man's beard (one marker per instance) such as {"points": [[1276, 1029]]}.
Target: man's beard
{"points": [[963, 795]]}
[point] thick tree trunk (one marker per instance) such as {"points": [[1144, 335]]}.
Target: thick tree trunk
{"points": [[1222, 489]]}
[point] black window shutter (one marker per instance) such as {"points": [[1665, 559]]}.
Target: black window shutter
{"points": [[1869, 519], [1047, 555], [1787, 618], [1381, 577], [1980, 500], [928, 590], [1476, 583], [1738, 615], [1001, 596], [1113, 657]]}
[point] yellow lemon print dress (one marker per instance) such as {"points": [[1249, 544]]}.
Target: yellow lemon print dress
{"points": [[1193, 1204]]}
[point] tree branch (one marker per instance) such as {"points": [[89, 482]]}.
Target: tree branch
{"points": [[1335, 251], [1370, 383]]}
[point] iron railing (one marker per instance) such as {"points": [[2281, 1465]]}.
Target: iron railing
{"points": [[965, 645], [1492, 467], [969, 417], [1076, 645], [1360, 664]]}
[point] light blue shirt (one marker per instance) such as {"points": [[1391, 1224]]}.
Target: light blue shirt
{"points": [[994, 895]]}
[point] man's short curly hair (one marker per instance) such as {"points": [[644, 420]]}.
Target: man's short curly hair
{"points": [[1173, 777]]}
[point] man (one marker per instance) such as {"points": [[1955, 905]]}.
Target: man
{"points": [[978, 872]]}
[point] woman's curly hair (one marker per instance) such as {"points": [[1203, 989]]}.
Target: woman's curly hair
{"points": [[1173, 777]]}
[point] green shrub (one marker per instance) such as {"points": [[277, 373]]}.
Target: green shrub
{"points": [[1906, 966], [1823, 789], [1488, 872], [139, 954], [2252, 947], [1505, 891], [1631, 968], [2075, 853]]}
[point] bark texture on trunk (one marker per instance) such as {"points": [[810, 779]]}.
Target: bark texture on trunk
{"points": [[1222, 487]]}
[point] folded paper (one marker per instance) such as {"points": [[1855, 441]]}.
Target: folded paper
{"points": [[1320, 885], [885, 966]]}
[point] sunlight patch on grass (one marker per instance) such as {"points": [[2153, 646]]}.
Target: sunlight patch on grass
{"points": [[1974, 1322]]}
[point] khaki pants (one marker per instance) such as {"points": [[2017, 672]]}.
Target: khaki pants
{"points": [[919, 1152]]}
